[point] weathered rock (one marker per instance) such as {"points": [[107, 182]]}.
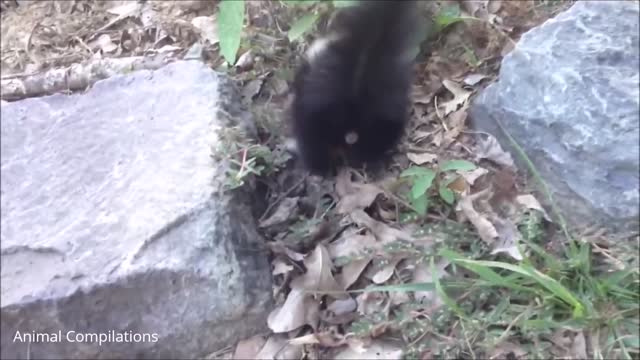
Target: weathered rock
{"points": [[112, 222], [569, 95]]}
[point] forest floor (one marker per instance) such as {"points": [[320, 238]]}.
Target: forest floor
{"points": [[417, 249]]}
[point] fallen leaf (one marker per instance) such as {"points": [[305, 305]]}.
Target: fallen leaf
{"points": [[422, 274], [208, 27], [530, 202], [278, 347], [245, 61], [128, 8], [490, 148], [422, 158], [343, 306], [455, 125], [371, 303], [330, 338], [460, 97], [349, 245], [285, 211], [471, 176], [308, 339], [281, 268], [377, 350], [354, 195], [473, 79], [293, 313], [279, 247], [486, 230], [249, 348], [318, 276], [508, 238], [351, 272], [104, 43], [387, 270], [383, 232], [505, 348]]}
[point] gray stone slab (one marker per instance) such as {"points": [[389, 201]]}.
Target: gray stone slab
{"points": [[569, 95], [112, 223]]}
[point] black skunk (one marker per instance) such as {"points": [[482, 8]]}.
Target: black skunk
{"points": [[351, 94]]}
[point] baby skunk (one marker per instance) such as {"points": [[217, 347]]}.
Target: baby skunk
{"points": [[351, 94]]}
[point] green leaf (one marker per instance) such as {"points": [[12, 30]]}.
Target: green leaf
{"points": [[416, 171], [446, 194], [420, 204], [447, 16], [301, 26], [344, 3], [230, 20], [421, 184], [462, 165]]}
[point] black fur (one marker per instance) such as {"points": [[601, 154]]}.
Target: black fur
{"points": [[360, 82]]}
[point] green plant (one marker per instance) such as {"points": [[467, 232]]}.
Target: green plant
{"points": [[422, 180], [231, 15]]}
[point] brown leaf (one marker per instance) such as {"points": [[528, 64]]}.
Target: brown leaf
{"points": [[422, 274], [455, 124], [249, 348], [354, 195], [460, 97], [530, 202], [387, 270], [280, 267], [486, 230], [377, 350], [371, 303], [490, 148], [278, 347], [508, 238], [471, 176], [294, 312], [285, 211], [422, 158], [351, 272], [318, 276]]}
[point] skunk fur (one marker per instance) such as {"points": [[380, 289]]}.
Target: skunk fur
{"points": [[351, 93]]}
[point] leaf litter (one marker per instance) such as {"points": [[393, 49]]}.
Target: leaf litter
{"points": [[372, 246]]}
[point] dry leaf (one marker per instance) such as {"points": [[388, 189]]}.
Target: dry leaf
{"points": [[351, 272], [508, 238], [387, 270], [349, 245], [460, 97], [473, 79], [422, 274], [208, 27], [281, 268], [455, 124], [490, 148], [377, 350], [308, 339], [318, 276], [343, 306], [331, 338], [293, 313], [471, 176], [286, 209], [422, 158], [486, 230], [371, 303], [530, 202], [354, 195], [249, 348], [503, 349], [383, 232], [278, 347], [245, 61]]}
